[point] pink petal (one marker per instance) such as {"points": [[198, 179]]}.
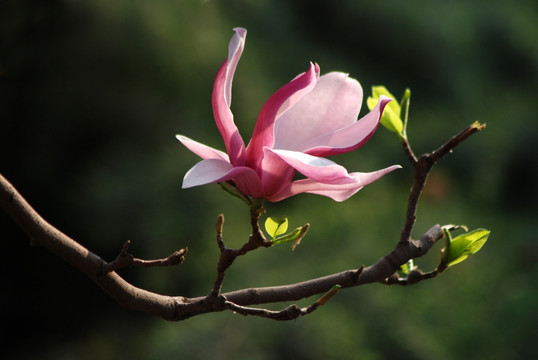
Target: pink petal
{"points": [[203, 151], [222, 99], [338, 192], [207, 171], [278, 103], [235, 49], [368, 178], [215, 170], [334, 103], [248, 182], [316, 168], [349, 138], [276, 174]]}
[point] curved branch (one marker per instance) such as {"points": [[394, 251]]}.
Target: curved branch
{"points": [[378, 272], [41, 232], [178, 308]]}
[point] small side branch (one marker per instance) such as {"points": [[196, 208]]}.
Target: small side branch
{"points": [[228, 256], [454, 141], [422, 167], [409, 152], [124, 259], [289, 313]]}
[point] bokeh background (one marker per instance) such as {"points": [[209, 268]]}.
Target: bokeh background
{"points": [[93, 92]]}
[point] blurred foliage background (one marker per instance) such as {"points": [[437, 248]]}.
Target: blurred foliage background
{"points": [[93, 92]]}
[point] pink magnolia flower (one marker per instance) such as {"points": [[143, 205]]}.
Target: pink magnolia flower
{"points": [[310, 117]]}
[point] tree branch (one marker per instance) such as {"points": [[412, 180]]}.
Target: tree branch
{"points": [[228, 256], [289, 313], [178, 307], [423, 166]]}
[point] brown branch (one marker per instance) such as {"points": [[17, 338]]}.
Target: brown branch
{"points": [[228, 256], [378, 272], [178, 307], [289, 313], [41, 232], [124, 259], [422, 167], [409, 152]]}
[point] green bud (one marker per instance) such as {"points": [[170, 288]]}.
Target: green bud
{"points": [[459, 248], [276, 226]]}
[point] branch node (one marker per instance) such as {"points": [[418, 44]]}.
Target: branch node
{"points": [[355, 274]]}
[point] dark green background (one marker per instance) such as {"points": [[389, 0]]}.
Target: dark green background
{"points": [[92, 94]]}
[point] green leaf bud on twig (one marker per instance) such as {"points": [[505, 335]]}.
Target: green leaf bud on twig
{"points": [[459, 248]]}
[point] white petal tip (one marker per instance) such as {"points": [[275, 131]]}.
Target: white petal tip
{"points": [[385, 99]]}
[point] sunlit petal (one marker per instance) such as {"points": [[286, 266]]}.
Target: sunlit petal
{"points": [[203, 151], [349, 138], [278, 103], [222, 99], [333, 104], [337, 192], [315, 168], [214, 170]]}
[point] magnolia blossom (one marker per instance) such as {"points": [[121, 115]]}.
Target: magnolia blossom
{"points": [[310, 117]]}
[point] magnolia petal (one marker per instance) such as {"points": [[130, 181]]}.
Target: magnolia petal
{"points": [[206, 172], [215, 170], [333, 104], [277, 104], [203, 151], [235, 49], [222, 99], [248, 182], [298, 95], [349, 138], [276, 174], [315, 168], [370, 177], [337, 192]]}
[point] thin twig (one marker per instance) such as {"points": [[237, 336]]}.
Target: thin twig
{"points": [[228, 256], [422, 167], [456, 140], [289, 313], [124, 259], [409, 152]]}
